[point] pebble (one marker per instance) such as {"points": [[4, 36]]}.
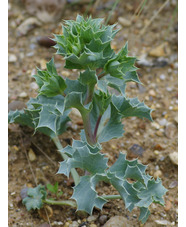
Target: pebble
{"points": [[157, 174], [103, 219], [16, 105], [156, 152], [92, 218], [169, 89], [76, 112], [168, 205], [30, 54], [34, 86], [173, 184], [170, 130], [136, 151], [45, 41], [74, 224], [152, 93], [12, 58], [158, 147], [27, 25], [155, 125], [162, 77], [162, 222], [93, 225], [159, 133], [160, 62], [117, 221], [23, 94], [31, 155], [66, 224], [144, 62], [163, 122], [124, 22], [174, 157], [160, 51]]}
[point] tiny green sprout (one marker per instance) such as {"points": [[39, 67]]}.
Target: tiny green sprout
{"points": [[99, 95], [54, 189]]}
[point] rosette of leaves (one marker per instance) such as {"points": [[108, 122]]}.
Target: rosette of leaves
{"points": [[85, 43]]}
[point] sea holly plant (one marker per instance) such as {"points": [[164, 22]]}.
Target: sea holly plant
{"points": [[99, 95]]}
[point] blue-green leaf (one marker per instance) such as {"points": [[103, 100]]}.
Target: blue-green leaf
{"points": [[35, 197], [49, 82], [84, 159], [129, 107], [44, 114], [85, 194]]}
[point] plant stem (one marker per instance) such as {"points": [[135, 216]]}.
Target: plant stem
{"points": [[111, 196], [96, 127], [62, 202], [74, 173], [90, 92], [73, 203], [88, 129], [86, 117]]}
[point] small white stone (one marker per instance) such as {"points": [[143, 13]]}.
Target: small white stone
{"points": [[162, 222], [31, 155], [163, 122], [12, 58], [158, 173], [152, 93], [169, 89], [124, 22], [34, 86], [23, 95], [155, 125], [76, 112], [92, 218], [162, 77], [174, 157]]}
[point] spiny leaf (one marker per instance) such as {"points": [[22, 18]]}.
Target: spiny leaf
{"points": [[76, 86], [102, 100], [49, 82], [110, 126], [119, 65], [44, 114], [85, 43], [144, 214], [129, 107], [75, 99], [84, 159], [20, 117], [153, 193], [86, 189], [88, 77], [35, 197]]}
